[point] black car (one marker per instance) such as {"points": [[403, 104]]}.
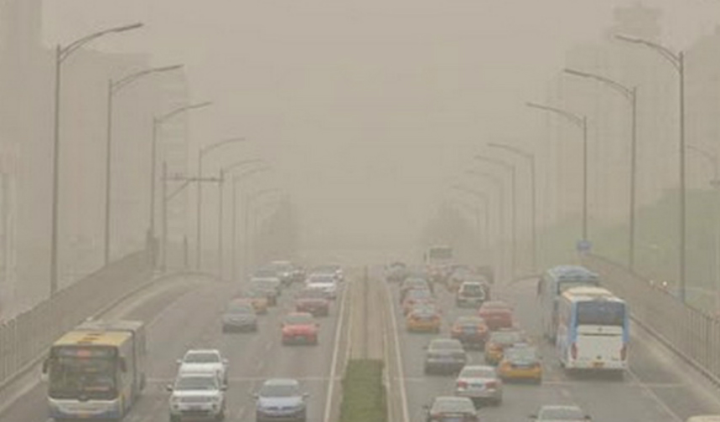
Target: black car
{"points": [[444, 356]]}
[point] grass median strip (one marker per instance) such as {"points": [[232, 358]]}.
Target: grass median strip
{"points": [[363, 395]]}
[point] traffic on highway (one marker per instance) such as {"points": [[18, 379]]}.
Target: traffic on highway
{"points": [[360, 211]]}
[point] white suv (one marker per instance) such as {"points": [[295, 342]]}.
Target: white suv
{"points": [[200, 361], [197, 396], [323, 282]]}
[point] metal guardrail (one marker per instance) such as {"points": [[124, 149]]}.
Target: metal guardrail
{"points": [[691, 333], [30, 333]]}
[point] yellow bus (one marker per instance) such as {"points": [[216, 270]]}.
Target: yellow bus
{"points": [[96, 371]]}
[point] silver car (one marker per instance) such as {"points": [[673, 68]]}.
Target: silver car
{"points": [[445, 356], [480, 383], [561, 414], [239, 315], [197, 396], [281, 400]]}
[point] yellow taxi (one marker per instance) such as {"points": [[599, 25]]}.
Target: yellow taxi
{"points": [[258, 300], [499, 341], [424, 318], [521, 363]]}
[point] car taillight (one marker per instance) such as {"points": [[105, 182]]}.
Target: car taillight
{"points": [[462, 384], [573, 351], [623, 352]]}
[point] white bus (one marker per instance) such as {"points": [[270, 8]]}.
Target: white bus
{"points": [[593, 330], [552, 284]]}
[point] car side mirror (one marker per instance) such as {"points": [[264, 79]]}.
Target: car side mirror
{"points": [[169, 387], [306, 395], [255, 396], [45, 365], [225, 361], [224, 388], [533, 416], [179, 361]]}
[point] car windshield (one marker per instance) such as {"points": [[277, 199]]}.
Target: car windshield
{"points": [[194, 383], [477, 373], [446, 345], [299, 319], [506, 337], [419, 294], [279, 390], [521, 354], [202, 358], [239, 308], [255, 294], [495, 305], [265, 272], [453, 405], [561, 414], [466, 321], [311, 294], [321, 279]]}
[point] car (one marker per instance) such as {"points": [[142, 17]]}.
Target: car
{"points": [[313, 301], [444, 356], [268, 286], [413, 283], [497, 314], [327, 284], [281, 400], [416, 296], [197, 396], [556, 413], [258, 299], [424, 318], [458, 275], [471, 331], [471, 293], [499, 341], [480, 383], [204, 361], [299, 328], [283, 270], [451, 409], [331, 270], [396, 272], [239, 315], [521, 362], [298, 274]]}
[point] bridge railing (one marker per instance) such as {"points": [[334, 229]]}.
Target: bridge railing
{"points": [[24, 338], [691, 333]]}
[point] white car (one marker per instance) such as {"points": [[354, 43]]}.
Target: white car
{"points": [[323, 282], [204, 361], [479, 383], [197, 396]]}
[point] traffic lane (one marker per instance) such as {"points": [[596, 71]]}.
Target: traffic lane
{"points": [[253, 357], [602, 397], [32, 406], [629, 400]]}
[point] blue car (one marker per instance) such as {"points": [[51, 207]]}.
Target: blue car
{"points": [[281, 400]]}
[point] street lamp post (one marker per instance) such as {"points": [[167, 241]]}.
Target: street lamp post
{"points": [[115, 87], [157, 123], [498, 183], [533, 193], [233, 243], [677, 60], [248, 204], [581, 122], [513, 197], [61, 54], [198, 215], [482, 196], [630, 94]]}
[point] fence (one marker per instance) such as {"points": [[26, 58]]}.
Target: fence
{"points": [[691, 333], [24, 338]]}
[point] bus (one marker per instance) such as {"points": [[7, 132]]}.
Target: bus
{"points": [[438, 260], [96, 371], [593, 330], [552, 284]]}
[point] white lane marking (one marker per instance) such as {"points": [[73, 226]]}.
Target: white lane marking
{"points": [[336, 352], [398, 357], [654, 396]]}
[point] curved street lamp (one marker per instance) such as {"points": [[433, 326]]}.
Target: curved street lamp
{"points": [[61, 54], [235, 183]]}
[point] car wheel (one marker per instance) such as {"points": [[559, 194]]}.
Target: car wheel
{"points": [[221, 416], [174, 418]]}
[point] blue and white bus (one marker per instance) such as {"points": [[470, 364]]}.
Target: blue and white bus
{"points": [[593, 330], [553, 283]]}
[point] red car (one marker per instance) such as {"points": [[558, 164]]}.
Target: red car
{"points": [[497, 315], [300, 328], [312, 301]]}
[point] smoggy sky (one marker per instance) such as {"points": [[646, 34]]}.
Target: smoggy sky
{"points": [[365, 108]]}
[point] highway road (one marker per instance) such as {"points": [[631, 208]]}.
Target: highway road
{"points": [[657, 388], [188, 316]]}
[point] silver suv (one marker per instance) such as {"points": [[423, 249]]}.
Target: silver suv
{"points": [[197, 396], [281, 399]]}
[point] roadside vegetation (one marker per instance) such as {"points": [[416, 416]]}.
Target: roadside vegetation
{"points": [[364, 396]]}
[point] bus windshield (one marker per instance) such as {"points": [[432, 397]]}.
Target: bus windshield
{"points": [[90, 378], [601, 313]]}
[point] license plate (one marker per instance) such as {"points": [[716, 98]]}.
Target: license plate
{"points": [[453, 419], [598, 364], [478, 386]]}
